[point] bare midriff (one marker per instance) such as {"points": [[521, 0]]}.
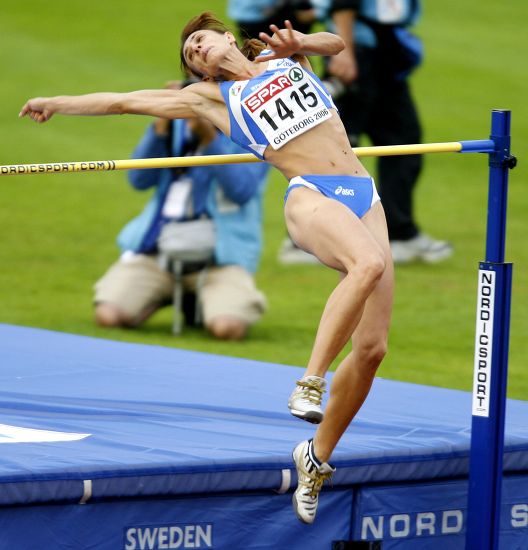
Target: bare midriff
{"points": [[322, 150]]}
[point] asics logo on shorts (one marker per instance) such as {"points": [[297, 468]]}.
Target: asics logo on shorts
{"points": [[344, 191]]}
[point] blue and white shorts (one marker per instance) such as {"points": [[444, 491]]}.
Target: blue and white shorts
{"points": [[357, 193]]}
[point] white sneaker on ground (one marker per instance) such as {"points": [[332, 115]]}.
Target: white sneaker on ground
{"points": [[305, 400], [311, 474], [422, 247], [291, 254]]}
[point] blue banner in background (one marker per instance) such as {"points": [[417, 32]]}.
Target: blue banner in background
{"points": [[258, 521], [417, 516]]}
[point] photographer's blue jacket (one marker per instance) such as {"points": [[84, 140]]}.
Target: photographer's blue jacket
{"points": [[229, 194]]}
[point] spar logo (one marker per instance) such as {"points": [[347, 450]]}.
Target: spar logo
{"points": [[176, 535], [267, 92]]}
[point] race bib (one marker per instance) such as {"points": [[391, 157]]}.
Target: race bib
{"points": [[285, 106]]}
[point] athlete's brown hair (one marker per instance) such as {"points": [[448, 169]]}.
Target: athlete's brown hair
{"points": [[207, 21]]}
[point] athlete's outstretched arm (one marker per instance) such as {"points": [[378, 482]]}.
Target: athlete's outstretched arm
{"points": [[159, 103], [289, 42]]}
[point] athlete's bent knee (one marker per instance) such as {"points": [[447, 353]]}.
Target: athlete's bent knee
{"points": [[371, 354], [371, 268]]}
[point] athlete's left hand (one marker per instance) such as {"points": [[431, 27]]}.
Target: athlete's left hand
{"points": [[38, 109], [283, 43]]}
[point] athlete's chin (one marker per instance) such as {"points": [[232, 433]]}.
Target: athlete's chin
{"points": [[214, 62]]}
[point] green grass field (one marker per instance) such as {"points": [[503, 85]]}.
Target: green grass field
{"points": [[58, 232]]}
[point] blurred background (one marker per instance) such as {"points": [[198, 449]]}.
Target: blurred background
{"points": [[58, 232]]}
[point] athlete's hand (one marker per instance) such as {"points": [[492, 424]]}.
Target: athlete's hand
{"points": [[37, 109], [283, 43]]}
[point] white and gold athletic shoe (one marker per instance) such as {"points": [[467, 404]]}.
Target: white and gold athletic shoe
{"points": [[311, 474], [305, 400]]}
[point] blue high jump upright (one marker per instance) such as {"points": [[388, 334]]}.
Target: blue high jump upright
{"points": [[491, 353]]}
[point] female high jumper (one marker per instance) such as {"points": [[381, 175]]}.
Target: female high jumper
{"points": [[266, 98]]}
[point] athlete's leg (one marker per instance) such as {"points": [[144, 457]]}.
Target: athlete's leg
{"points": [[354, 376], [359, 305], [332, 232]]}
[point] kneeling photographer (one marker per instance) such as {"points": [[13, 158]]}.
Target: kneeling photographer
{"points": [[197, 242]]}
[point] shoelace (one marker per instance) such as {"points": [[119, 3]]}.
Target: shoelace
{"points": [[311, 391], [315, 480]]}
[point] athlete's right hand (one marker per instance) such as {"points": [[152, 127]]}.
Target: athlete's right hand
{"points": [[37, 109], [283, 43]]}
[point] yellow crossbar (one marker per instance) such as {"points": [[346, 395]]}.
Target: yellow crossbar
{"points": [[177, 162]]}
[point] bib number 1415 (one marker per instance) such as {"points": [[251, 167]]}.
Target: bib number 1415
{"points": [[307, 101]]}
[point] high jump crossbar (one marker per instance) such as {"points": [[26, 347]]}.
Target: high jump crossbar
{"points": [[475, 146]]}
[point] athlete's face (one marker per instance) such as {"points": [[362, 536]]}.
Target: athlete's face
{"points": [[204, 50]]}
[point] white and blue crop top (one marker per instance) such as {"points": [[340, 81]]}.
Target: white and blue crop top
{"points": [[274, 107]]}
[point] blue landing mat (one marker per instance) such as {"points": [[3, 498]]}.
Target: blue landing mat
{"points": [[112, 445], [136, 420]]}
